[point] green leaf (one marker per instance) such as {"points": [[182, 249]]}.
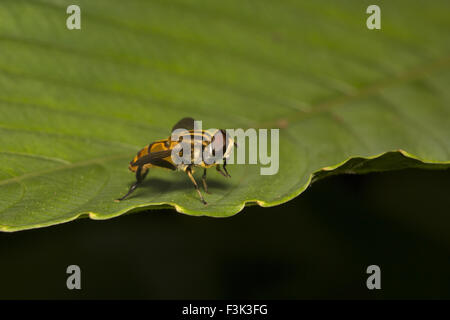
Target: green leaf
{"points": [[75, 106]]}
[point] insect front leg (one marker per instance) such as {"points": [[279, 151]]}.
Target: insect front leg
{"points": [[220, 170], [205, 186], [189, 173], [226, 174], [225, 168], [140, 176]]}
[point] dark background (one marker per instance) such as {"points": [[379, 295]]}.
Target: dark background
{"points": [[316, 246]]}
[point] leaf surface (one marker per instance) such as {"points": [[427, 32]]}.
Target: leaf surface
{"points": [[76, 106]]}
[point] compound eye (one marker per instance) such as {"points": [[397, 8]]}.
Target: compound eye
{"points": [[216, 146]]}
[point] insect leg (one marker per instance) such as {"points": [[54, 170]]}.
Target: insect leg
{"points": [[220, 170], [144, 175], [189, 173], [140, 176], [205, 186], [225, 169]]}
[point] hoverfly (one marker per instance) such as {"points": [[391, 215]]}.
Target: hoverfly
{"points": [[159, 154]]}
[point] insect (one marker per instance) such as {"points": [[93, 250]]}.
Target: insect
{"points": [[159, 154]]}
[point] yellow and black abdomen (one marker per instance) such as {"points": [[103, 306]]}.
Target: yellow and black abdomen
{"points": [[157, 154]]}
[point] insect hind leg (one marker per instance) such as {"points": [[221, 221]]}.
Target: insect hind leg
{"points": [[140, 176]]}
